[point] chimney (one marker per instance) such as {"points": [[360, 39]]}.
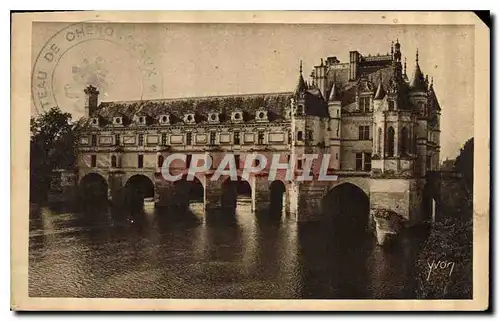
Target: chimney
{"points": [[353, 64], [91, 100], [320, 73]]}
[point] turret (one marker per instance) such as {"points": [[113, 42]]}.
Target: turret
{"points": [[334, 111]]}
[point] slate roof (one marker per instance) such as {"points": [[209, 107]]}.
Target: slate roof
{"points": [[274, 103]]}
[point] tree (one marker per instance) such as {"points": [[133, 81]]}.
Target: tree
{"points": [[52, 146], [464, 163]]}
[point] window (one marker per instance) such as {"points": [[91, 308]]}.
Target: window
{"points": [[237, 161], [300, 110], [164, 139], [359, 161], [140, 161], [236, 138], [337, 156], [189, 138], [367, 161], [390, 142], [141, 139], [188, 160], [364, 104], [117, 139], [212, 138], [113, 161], [93, 161], [256, 162], [404, 141], [299, 136], [391, 105], [309, 135], [299, 163], [160, 161], [364, 132], [289, 137], [94, 140], [260, 138], [379, 141]]}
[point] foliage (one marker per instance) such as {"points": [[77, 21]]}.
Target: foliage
{"points": [[464, 163], [449, 241], [52, 146]]}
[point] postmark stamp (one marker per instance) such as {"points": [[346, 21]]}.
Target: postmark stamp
{"points": [[91, 64]]}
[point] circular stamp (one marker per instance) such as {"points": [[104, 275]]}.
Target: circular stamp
{"points": [[98, 53]]}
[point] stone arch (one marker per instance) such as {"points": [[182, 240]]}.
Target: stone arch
{"points": [[93, 188], [231, 189], [347, 206], [189, 190], [140, 186], [277, 193]]}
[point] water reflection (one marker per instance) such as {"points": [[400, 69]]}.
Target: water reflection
{"points": [[158, 253]]}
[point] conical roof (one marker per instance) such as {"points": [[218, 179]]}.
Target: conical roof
{"points": [[334, 93], [418, 81], [380, 93], [301, 84]]}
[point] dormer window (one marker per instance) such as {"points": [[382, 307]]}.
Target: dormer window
{"points": [[237, 116], [189, 119], [300, 110], [261, 115], [118, 121], [213, 118], [164, 119], [94, 121], [142, 120], [364, 104], [391, 105]]}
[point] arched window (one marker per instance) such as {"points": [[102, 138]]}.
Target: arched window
{"points": [[379, 141], [160, 160], [390, 142], [404, 149], [113, 161]]}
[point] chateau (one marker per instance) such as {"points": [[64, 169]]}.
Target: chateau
{"points": [[380, 125]]}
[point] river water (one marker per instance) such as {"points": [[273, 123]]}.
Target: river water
{"points": [[159, 255]]}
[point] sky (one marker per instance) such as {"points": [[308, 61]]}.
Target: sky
{"points": [[181, 60]]}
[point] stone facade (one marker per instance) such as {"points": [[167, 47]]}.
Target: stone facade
{"points": [[380, 128]]}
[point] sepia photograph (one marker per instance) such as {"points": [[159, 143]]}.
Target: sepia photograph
{"points": [[246, 159]]}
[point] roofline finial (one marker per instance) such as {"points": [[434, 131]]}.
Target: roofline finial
{"points": [[417, 57], [404, 70], [300, 66]]}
